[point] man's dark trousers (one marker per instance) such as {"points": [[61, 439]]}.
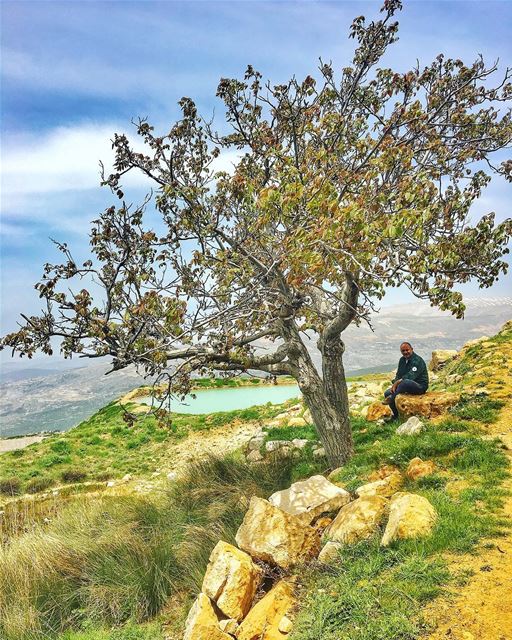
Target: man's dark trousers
{"points": [[406, 386]]}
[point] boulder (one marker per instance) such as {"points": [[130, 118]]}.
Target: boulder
{"points": [[231, 580], [357, 520], [383, 472], [297, 421], [440, 357], [429, 405], [330, 553], [410, 516], [475, 341], [417, 468], [319, 453], [299, 443], [307, 417], [265, 620], [412, 427], [384, 488], [229, 626], [274, 445], [254, 456], [272, 535], [377, 410], [310, 498], [255, 442], [202, 622]]}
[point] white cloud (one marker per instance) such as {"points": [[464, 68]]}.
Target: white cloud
{"points": [[64, 159]]}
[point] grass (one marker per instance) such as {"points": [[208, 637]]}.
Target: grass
{"points": [[480, 408], [111, 560], [374, 593], [105, 446]]}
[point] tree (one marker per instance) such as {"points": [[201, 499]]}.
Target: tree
{"points": [[344, 186]]}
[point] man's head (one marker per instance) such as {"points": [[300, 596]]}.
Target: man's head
{"points": [[406, 350]]}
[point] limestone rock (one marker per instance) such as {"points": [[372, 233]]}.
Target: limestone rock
{"points": [[229, 626], [286, 625], [330, 553], [299, 443], [274, 445], [357, 520], [429, 405], [255, 442], [202, 622], [274, 536], [440, 357], [384, 488], [412, 427], [254, 456], [410, 516], [319, 453], [383, 472], [417, 468], [296, 422], [264, 619], [472, 343], [309, 498], [307, 417], [297, 408], [377, 410], [231, 580], [453, 378]]}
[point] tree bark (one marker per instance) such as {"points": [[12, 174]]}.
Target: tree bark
{"points": [[327, 400]]}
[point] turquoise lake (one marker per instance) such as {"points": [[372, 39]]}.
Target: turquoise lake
{"points": [[213, 400]]}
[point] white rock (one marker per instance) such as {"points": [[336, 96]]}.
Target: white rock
{"points": [[172, 476], [319, 453], [254, 456], [299, 443], [127, 477], [255, 443], [274, 445], [411, 427], [296, 422], [309, 498], [330, 553]]}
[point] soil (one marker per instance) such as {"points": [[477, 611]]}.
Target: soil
{"points": [[11, 444], [482, 609]]}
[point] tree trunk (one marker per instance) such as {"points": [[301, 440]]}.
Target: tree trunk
{"points": [[327, 401]]}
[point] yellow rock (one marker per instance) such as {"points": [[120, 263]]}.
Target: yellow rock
{"points": [[310, 498], [231, 580], [419, 469], [297, 422], [385, 487], [202, 622], [440, 357], [229, 626], [330, 553], [357, 520], [264, 620], [376, 411], [410, 516], [429, 405], [271, 535]]}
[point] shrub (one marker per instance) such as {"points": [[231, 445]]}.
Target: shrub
{"points": [[73, 475], [38, 484], [10, 486]]}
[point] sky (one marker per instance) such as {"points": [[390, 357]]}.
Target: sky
{"points": [[73, 73]]}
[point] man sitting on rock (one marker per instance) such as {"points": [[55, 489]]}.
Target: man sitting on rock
{"points": [[411, 377]]}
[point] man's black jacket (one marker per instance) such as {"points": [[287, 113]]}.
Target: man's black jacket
{"points": [[412, 369]]}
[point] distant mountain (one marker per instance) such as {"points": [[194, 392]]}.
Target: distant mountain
{"points": [[62, 399]]}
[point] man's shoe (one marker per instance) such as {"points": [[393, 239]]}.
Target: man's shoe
{"points": [[386, 401], [388, 419]]}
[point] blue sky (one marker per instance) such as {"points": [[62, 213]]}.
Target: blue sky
{"points": [[75, 72]]}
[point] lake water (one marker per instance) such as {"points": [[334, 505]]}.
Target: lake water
{"points": [[213, 400]]}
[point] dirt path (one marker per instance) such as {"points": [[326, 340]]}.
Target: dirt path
{"points": [[481, 610], [11, 444]]}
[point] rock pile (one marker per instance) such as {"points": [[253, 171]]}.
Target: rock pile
{"points": [[240, 597]]}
